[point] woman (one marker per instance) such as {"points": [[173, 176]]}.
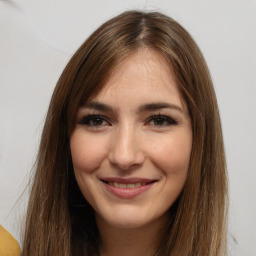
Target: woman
{"points": [[131, 159]]}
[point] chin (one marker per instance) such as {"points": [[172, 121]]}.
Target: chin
{"points": [[126, 223], [128, 218]]}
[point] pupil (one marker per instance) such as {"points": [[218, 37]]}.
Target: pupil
{"points": [[159, 121], [97, 121]]}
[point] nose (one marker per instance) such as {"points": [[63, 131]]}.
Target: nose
{"points": [[126, 148]]}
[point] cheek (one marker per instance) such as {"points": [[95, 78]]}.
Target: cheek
{"points": [[87, 152], [172, 155]]}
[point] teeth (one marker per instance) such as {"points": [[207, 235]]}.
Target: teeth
{"points": [[116, 185], [137, 184], [131, 185]]}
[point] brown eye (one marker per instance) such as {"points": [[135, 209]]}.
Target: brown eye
{"points": [[161, 121], [94, 121]]}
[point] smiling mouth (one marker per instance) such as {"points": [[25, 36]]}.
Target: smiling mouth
{"points": [[127, 188], [125, 185]]}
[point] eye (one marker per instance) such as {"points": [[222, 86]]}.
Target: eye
{"points": [[94, 121], [161, 121]]}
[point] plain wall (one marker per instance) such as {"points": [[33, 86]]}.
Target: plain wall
{"points": [[37, 38]]}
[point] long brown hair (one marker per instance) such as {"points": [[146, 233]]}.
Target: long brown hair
{"points": [[59, 220]]}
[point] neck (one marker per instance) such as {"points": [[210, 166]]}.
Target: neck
{"points": [[145, 240]]}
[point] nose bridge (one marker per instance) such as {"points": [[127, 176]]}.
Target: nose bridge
{"points": [[126, 149]]}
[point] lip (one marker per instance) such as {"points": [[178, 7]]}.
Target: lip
{"points": [[126, 193]]}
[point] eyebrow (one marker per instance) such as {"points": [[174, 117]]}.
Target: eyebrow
{"points": [[143, 108], [158, 106], [98, 106]]}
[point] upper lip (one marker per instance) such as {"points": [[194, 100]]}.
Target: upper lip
{"points": [[127, 180]]}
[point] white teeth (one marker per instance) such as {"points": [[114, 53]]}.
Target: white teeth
{"points": [[116, 185], [122, 185], [137, 184], [131, 185]]}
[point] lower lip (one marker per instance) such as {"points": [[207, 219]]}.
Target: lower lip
{"points": [[127, 193]]}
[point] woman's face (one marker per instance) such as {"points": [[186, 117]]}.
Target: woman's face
{"points": [[132, 142]]}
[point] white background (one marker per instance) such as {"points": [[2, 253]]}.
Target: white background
{"points": [[37, 39]]}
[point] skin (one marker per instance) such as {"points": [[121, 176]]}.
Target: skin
{"points": [[130, 139]]}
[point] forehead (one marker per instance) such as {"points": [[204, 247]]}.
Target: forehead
{"points": [[141, 77]]}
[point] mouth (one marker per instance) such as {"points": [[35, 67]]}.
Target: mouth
{"points": [[127, 188]]}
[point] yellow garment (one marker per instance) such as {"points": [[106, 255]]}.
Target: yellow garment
{"points": [[8, 244]]}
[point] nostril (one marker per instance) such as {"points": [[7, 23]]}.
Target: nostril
{"points": [[127, 160]]}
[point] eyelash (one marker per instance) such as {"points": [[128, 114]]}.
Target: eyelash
{"points": [[85, 120], [167, 120], [96, 121]]}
